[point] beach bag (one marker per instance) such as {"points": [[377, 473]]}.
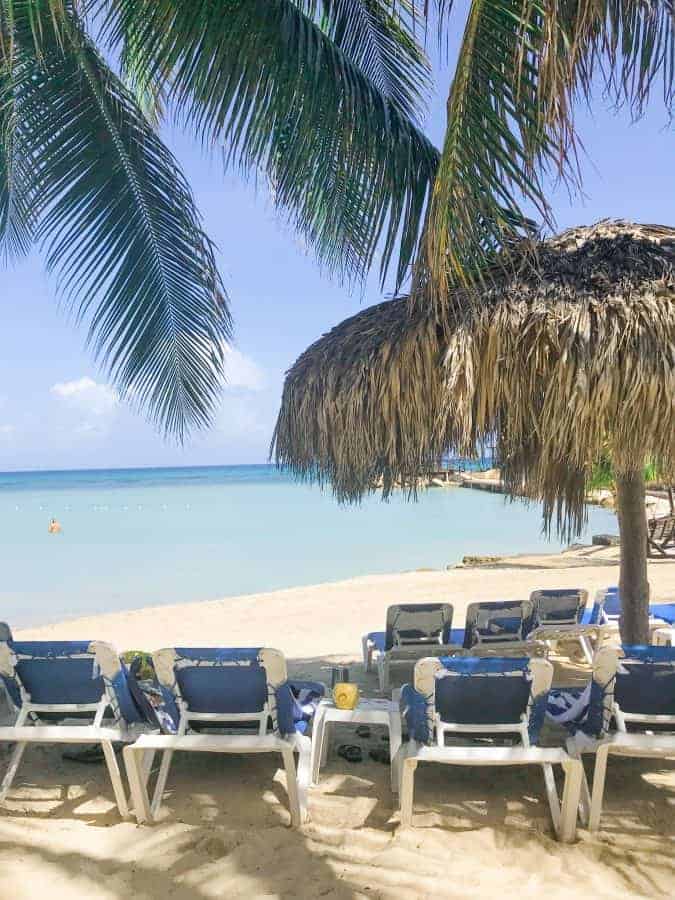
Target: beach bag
{"points": [[148, 695]]}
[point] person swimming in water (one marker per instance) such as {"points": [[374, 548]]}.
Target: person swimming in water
{"points": [[54, 527]]}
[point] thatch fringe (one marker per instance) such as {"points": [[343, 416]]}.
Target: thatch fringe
{"points": [[557, 370], [357, 401]]}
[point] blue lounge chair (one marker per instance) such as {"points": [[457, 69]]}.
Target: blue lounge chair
{"points": [[558, 617], [632, 687], [558, 606], [494, 622], [52, 684], [413, 630], [486, 698], [224, 689], [606, 609]]}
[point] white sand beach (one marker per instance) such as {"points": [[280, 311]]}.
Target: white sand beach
{"points": [[223, 829]]}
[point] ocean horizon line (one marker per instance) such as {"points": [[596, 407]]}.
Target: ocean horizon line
{"points": [[140, 468]]}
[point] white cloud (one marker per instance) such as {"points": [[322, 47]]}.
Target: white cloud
{"points": [[241, 372], [240, 419], [87, 395]]}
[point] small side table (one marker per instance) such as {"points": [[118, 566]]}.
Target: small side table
{"points": [[367, 712]]}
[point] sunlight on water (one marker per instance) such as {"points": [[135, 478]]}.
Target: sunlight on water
{"points": [[135, 538]]}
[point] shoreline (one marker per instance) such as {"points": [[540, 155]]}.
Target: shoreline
{"points": [[343, 610]]}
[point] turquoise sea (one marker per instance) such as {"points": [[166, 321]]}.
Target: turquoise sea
{"points": [[142, 537]]}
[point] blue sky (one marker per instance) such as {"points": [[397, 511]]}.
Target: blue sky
{"points": [[56, 410]]}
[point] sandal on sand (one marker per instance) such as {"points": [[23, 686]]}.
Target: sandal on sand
{"points": [[379, 754], [363, 731], [351, 752]]}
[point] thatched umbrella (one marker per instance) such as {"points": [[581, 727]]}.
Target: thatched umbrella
{"points": [[557, 367]]}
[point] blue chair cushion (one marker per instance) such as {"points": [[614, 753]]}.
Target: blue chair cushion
{"points": [[665, 611], [467, 698], [55, 675], [414, 705], [223, 689], [645, 681]]}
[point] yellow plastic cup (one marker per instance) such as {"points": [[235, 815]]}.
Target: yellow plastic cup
{"points": [[346, 695]]}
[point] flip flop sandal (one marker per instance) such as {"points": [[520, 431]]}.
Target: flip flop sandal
{"points": [[351, 752], [363, 732], [379, 754]]}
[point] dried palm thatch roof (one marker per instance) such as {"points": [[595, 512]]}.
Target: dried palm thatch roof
{"points": [[555, 366]]}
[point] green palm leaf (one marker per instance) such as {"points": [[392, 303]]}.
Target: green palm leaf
{"points": [[18, 196], [522, 67], [18, 199], [378, 36], [120, 227], [274, 81], [495, 148]]}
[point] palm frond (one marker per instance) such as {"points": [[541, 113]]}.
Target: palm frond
{"points": [[150, 93], [121, 229], [495, 148], [18, 196], [378, 36], [626, 44], [522, 67], [266, 80]]}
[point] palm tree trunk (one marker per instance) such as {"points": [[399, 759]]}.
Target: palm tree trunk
{"points": [[633, 584]]}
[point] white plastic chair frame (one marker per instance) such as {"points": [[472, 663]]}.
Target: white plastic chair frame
{"points": [[409, 654], [587, 636], [563, 815], [567, 629], [139, 756], [28, 730], [618, 743]]}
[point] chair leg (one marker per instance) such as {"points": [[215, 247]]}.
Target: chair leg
{"points": [[167, 756], [367, 652], [599, 774], [407, 790], [552, 794], [292, 788], [383, 672], [586, 648], [326, 736], [146, 764], [10, 774], [304, 775], [584, 793], [115, 778], [138, 783], [318, 737], [584, 799], [574, 771], [304, 748], [394, 747]]}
